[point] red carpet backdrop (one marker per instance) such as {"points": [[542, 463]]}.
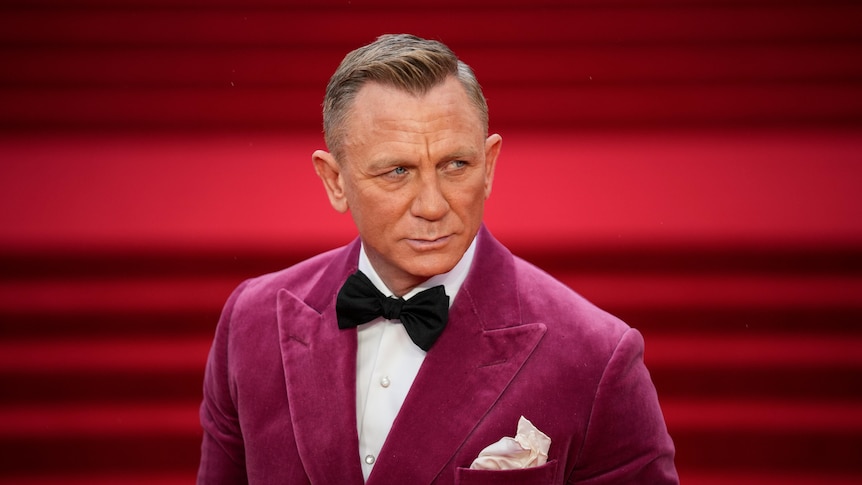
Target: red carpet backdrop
{"points": [[693, 166]]}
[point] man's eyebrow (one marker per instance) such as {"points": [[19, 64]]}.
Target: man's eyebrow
{"points": [[467, 153], [386, 162]]}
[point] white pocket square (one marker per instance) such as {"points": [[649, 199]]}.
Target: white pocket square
{"points": [[529, 448]]}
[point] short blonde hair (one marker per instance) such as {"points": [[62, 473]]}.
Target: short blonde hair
{"points": [[403, 61]]}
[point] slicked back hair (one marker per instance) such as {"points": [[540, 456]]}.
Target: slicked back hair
{"points": [[402, 61]]}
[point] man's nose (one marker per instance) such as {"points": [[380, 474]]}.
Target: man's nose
{"points": [[430, 203]]}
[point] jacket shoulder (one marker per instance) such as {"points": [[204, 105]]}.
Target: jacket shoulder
{"points": [[300, 279], [545, 299]]}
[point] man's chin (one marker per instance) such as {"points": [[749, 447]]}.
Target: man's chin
{"points": [[434, 266]]}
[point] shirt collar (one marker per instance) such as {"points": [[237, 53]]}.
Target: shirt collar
{"points": [[451, 281]]}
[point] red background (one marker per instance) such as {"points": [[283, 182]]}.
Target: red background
{"points": [[693, 166]]}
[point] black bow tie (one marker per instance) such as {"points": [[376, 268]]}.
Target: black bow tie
{"points": [[424, 315]]}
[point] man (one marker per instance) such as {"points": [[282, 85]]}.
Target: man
{"points": [[346, 368]]}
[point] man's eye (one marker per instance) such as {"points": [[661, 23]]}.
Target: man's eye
{"points": [[399, 171], [459, 164]]}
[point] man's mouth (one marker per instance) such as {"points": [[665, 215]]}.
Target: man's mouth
{"points": [[428, 244]]}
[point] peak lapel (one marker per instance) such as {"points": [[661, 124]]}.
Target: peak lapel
{"points": [[320, 375]]}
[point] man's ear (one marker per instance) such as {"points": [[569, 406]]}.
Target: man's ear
{"points": [[329, 171], [492, 150]]}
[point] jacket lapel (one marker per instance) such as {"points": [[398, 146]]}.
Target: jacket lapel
{"points": [[484, 346], [320, 375]]}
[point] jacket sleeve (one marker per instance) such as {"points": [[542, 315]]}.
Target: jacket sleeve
{"points": [[626, 439], [222, 450]]}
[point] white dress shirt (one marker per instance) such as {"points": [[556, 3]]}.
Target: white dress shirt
{"points": [[387, 361]]}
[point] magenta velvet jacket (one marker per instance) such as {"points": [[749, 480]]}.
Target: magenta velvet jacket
{"points": [[279, 393]]}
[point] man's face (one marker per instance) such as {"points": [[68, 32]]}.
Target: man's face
{"points": [[415, 175]]}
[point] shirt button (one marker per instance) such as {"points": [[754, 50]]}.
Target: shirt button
{"points": [[385, 382], [369, 459]]}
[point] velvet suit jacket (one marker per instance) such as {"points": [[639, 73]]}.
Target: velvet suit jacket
{"points": [[280, 395]]}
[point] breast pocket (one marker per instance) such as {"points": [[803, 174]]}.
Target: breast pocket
{"points": [[545, 474]]}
